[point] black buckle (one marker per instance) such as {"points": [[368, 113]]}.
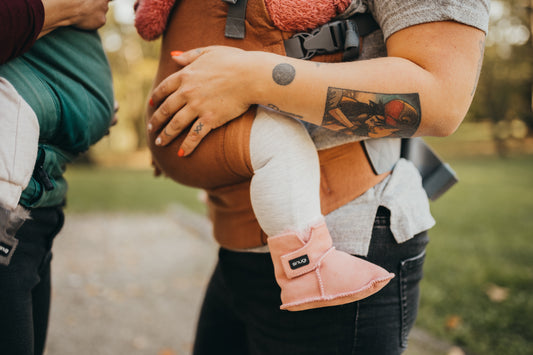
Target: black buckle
{"points": [[40, 174], [329, 38]]}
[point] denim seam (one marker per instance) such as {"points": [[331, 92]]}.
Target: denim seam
{"points": [[354, 345], [403, 337]]}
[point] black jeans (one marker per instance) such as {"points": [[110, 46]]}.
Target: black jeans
{"points": [[25, 285], [240, 314]]}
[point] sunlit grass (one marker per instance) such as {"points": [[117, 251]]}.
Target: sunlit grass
{"points": [[478, 282], [95, 189]]}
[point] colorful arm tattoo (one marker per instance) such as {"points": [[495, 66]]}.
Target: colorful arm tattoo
{"points": [[367, 114]]}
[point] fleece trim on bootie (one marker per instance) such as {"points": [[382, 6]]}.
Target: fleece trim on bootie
{"points": [[312, 273]]}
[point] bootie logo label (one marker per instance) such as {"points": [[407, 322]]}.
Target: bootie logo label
{"points": [[4, 249], [299, 262]]}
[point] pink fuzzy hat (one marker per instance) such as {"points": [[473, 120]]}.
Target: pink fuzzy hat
{"points": [[151, 16]]}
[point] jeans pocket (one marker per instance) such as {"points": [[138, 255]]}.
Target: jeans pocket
{"points": [[410, 275]]}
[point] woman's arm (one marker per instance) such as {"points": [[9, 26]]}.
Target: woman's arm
{"points": [[23, 22], [424, 87], [20, 24]]}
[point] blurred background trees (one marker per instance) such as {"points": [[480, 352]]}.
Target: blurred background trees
{"points": [[504, 94], [502, 105], [134, 63]]}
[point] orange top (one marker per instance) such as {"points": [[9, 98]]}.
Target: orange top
{"points": [[221, 163]]}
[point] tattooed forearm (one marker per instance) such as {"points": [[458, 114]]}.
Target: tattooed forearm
{"points": [[283, 74], [372, 115]]}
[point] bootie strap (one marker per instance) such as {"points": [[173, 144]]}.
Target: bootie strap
{"points": [[306, 258]]}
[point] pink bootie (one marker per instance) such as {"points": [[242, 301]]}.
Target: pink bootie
{"points": [[313, 274]]}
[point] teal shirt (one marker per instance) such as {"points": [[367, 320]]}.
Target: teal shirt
{"points": [[66, 79]]}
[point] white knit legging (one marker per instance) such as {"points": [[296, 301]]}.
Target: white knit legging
{"points": [[285, 187]]}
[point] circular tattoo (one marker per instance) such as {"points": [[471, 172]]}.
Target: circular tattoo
{"points": [[283, 74]]}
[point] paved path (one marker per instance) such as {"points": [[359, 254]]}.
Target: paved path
{"points": [[132, 284]]}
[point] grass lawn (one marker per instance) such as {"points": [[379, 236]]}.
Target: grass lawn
{"points": [[478, 285], [109, 189]]}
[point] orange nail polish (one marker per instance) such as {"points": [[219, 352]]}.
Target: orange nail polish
{"points": [[181, 152], [151, 102], [176, 53]]}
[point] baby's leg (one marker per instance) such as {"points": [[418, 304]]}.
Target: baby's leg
{"points": [[285, 197], [285, 188]]}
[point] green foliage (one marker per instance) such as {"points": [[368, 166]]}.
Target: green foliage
{"points": [[133, 64], [479, 270], [506, 80]]}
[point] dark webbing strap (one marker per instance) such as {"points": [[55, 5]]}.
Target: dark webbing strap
{"points": [[437, 176], [235, 25]]}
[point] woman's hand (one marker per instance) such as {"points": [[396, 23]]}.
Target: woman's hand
{"points": [[83, 14], [92, 14], [210, 89]]}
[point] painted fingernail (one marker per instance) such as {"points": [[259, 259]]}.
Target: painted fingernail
{"points": [[181, 153], [149, 127], [158, 141], [176, 53], [151, 102]]}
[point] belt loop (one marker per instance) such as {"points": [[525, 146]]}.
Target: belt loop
{"points": [[235, 21]]}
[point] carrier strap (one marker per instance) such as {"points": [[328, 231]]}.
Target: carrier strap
{"points": [[235, 25], [437, 176]]}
